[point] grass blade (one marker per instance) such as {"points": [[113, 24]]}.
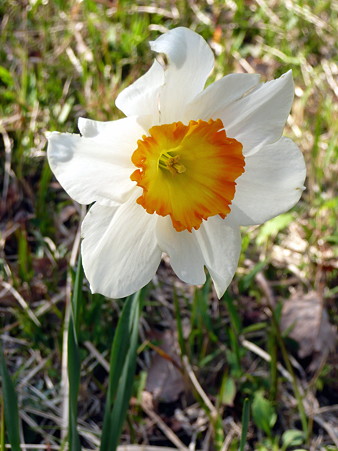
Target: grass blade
{"points": [[245, 424], [77, 294], [74, 383], [234, 316], [74, 363], [2, 425], [122, 370], [120, 346], [10, 401]]}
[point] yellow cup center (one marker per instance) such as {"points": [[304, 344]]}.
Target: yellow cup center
{"points": [[187, 171]]}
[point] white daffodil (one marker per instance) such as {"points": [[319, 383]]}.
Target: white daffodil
{"points": [[182, 172]]}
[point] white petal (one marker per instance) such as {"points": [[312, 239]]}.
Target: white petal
{"points": [[122, 134], [216, 97], [95, 169], [119, 249], [185, 255], [220, 242], [142, 97], [190, 61], [271, 184], [259, 118]]}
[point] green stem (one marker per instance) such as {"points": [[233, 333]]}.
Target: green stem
{"points": [[273, 364], [245, 424]]}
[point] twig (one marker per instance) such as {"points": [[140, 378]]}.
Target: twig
{"points": [[47, 305], [228, 439], [34, 425], [99, 357], [327, 409], [198, 387], [165, 429], [265, 356], [22, 302], [8, 159], [325, 425], [46, 446], [33, 372], [265, 286], [330, 77]]}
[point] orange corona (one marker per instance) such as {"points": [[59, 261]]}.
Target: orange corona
{"points": [[187, 171]]}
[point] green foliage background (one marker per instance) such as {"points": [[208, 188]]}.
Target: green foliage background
{"points": [[60, 60]]}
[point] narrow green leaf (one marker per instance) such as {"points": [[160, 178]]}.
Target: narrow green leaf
{"points": [[273, 352], [234, 316], [125, 391], [246, 281], [254, 328], [202, 308], [74, 363], [122, 370], [234, 354], [10, 405], [74, 383], [119, 349], [2, 425], [245, 424], [77, 294], [273, 226]]}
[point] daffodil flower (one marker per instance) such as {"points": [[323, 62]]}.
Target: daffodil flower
{"points": [[181, 172]]}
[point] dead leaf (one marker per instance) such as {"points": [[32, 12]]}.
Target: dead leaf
{"points": [[309, 326], [164, 379]]}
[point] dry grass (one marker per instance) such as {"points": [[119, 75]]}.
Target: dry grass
{"points": [[61, 60]]}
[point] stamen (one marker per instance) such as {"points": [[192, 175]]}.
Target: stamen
{"points": [[171, 162]]}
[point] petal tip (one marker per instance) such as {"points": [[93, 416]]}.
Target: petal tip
{"points": [[81, 122], [87, 127], [219, 292], [50, 135], [288, 77]]}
